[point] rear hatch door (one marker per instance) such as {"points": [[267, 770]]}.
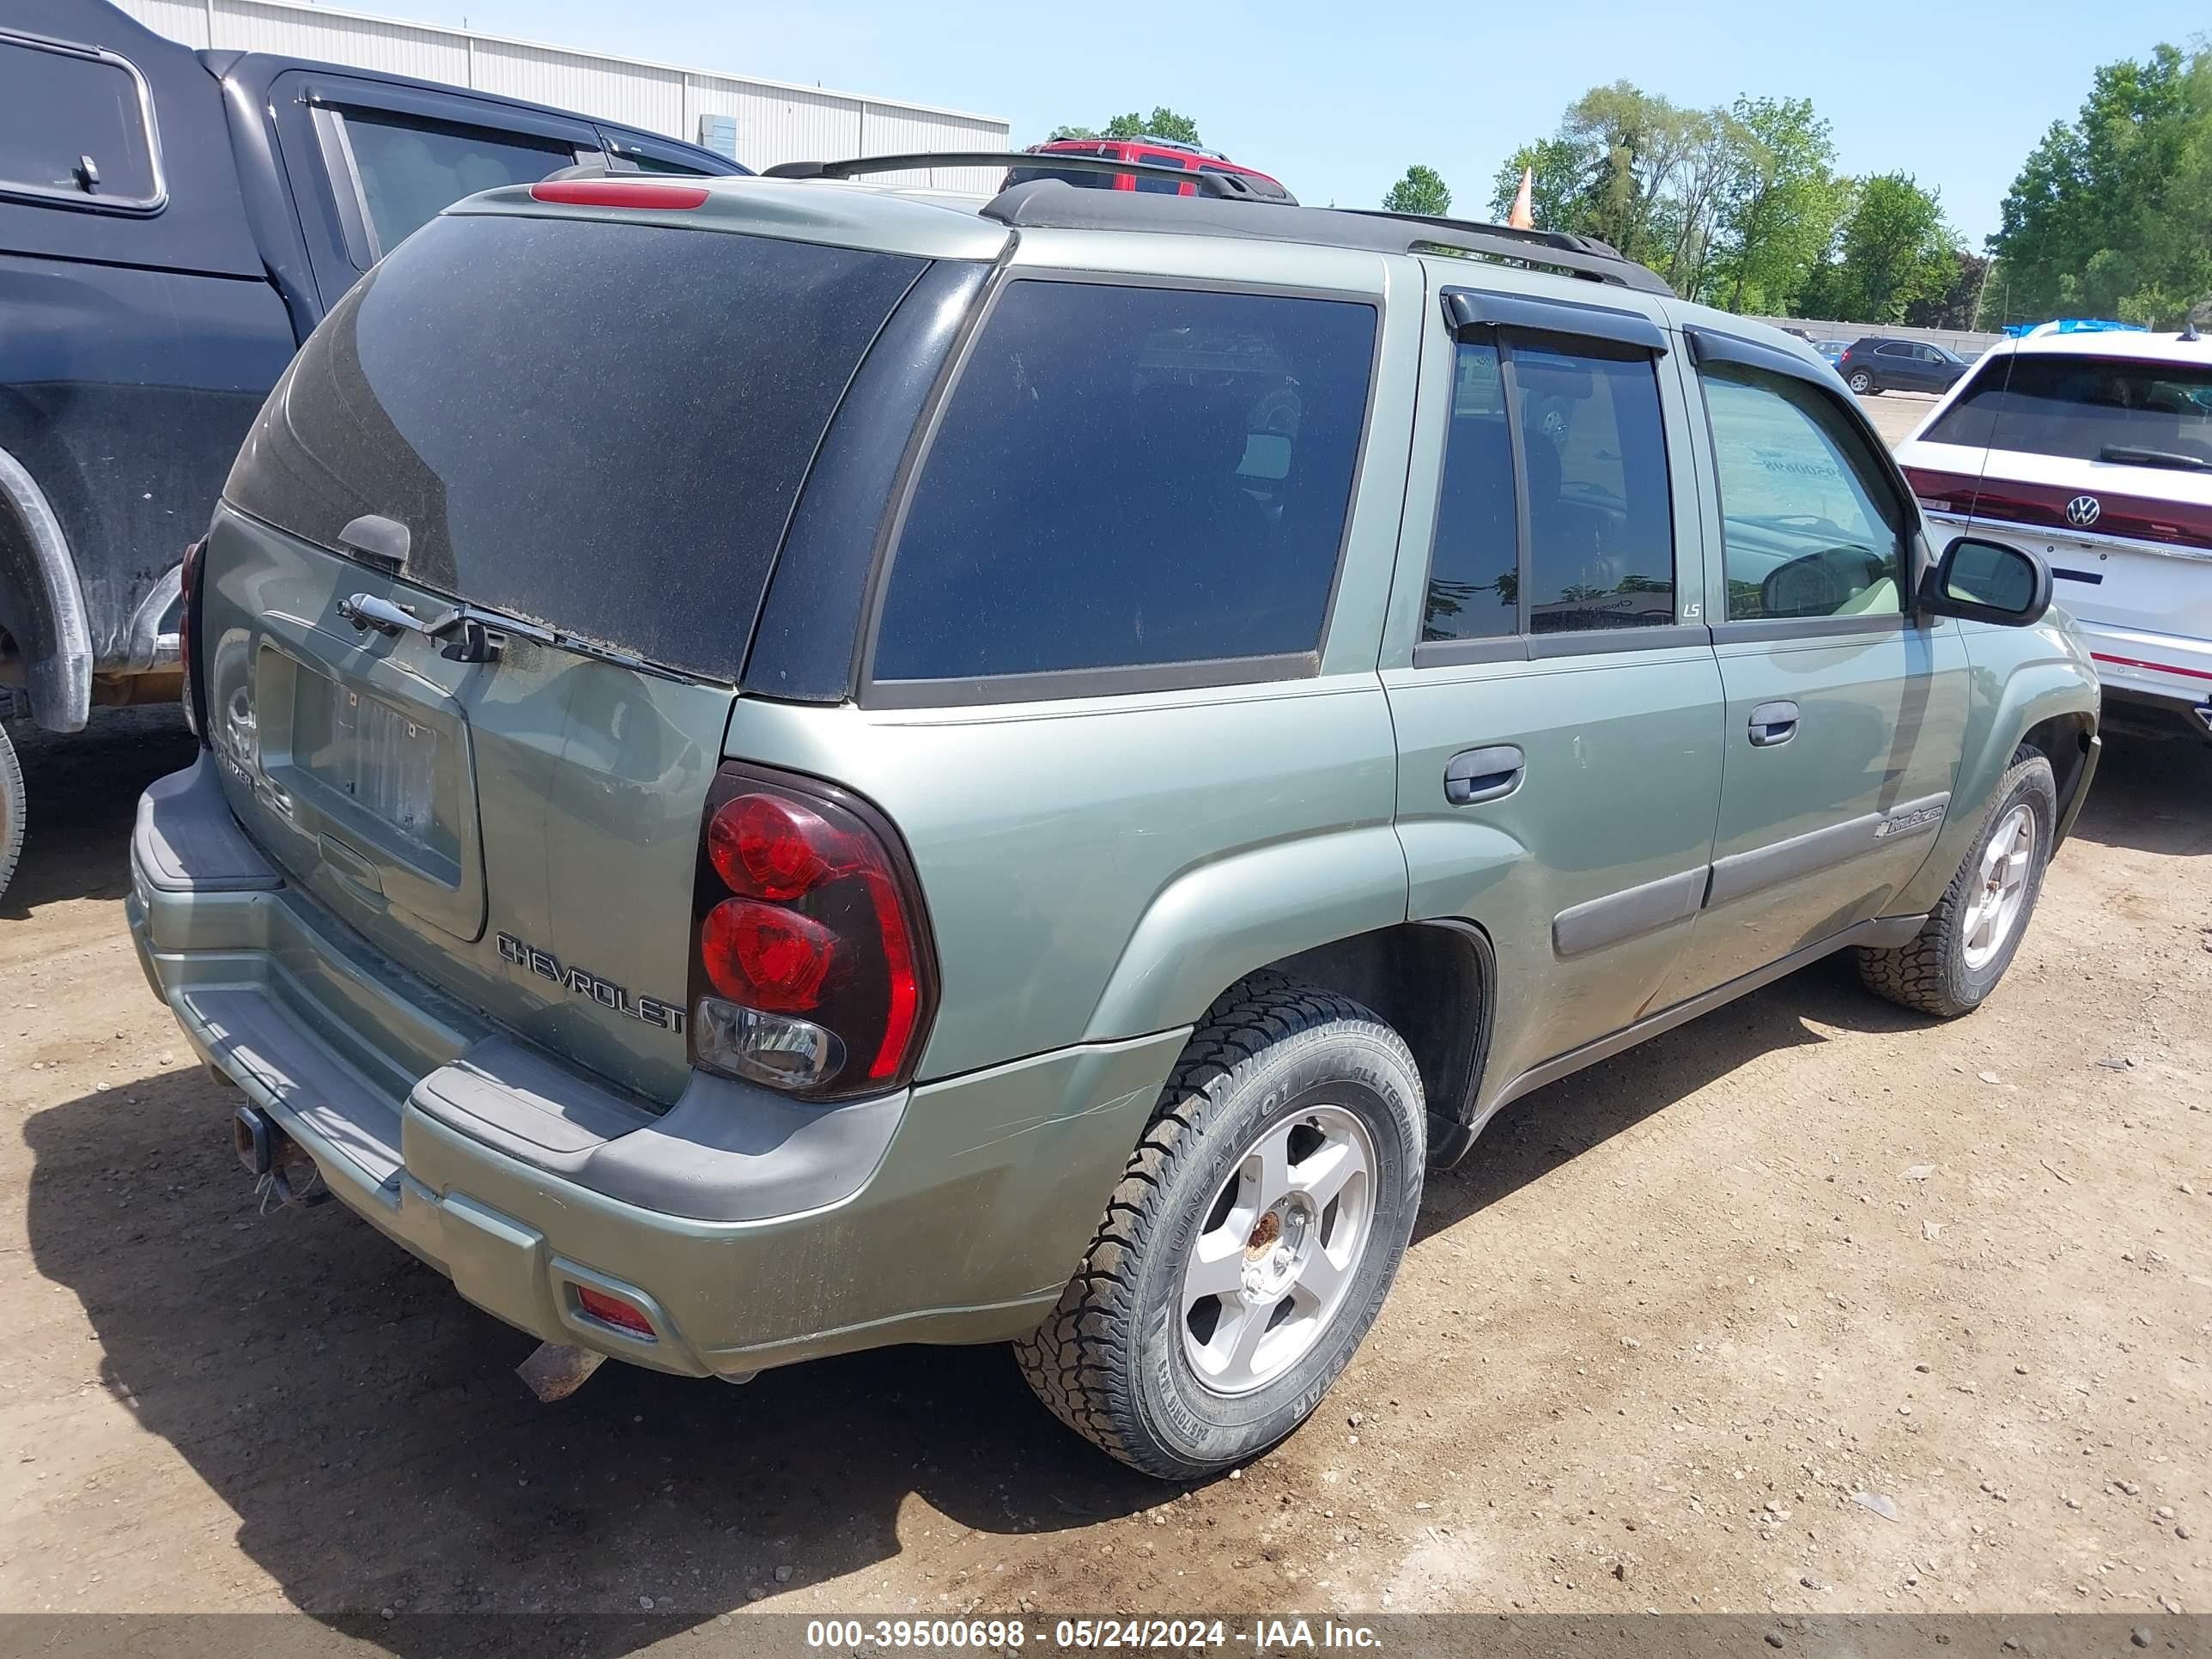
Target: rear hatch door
{"points": [[573, 443], [2105, 463]]}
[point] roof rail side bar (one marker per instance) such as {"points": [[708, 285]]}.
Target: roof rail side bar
{"points": [[1595, 267], [1225, 185], [1584, 256], [1565, 241]]}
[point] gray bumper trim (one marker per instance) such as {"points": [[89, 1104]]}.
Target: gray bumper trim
{"points": [[185, 840]]}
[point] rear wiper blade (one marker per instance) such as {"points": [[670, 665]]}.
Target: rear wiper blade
{"points": [[2129, 455]]}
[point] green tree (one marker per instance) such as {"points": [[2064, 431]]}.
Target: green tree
{"points": [[1162, 123], [1556, 185], [2108, 216], [1635, 170], [1778, 218], [1421, 191], [1895, 252]]}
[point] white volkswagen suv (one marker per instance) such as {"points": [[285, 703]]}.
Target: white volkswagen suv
{"points": [[2098, 448]]}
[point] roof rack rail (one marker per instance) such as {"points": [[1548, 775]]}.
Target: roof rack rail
{"points": [[1229, 185], [1217, 208], [1049, 204]]}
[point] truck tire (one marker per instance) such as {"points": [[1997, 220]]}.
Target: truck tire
{"points": [[1974, 930], [1255, 1231], [13, 812]]}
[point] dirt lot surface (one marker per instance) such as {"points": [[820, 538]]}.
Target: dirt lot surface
{"points": [[1652, 1344]]}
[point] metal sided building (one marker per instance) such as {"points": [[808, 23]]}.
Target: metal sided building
{"points": [[753, 121]]}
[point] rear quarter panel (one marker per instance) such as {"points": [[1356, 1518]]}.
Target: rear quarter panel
{"points": [[1103, 867]]}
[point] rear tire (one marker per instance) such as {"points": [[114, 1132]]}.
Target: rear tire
{"points": [[14, 809], [1863, 383], [1971, 935], [1143, 1360]]}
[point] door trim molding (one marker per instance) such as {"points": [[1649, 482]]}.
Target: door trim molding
{"points": [[1617, 916], [1743, 873]]}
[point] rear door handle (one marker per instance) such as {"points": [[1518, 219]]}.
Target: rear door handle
{"points": [[1772, 723], [1474, 775]]}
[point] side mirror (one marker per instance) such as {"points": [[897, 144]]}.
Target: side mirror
{"points": [[1978, 581]]}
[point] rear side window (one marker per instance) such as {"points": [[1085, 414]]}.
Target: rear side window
{"points": [[412, 171], [598, 427], [1081, 178], [1594, 465], [1160, 159], [74, 124], [1131, 476], [2086, 409], [1600, 519]]}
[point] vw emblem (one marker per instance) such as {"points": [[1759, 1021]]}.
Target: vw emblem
{"points": [[2084, 511]]}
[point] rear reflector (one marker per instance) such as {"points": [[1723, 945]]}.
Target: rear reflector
{"points": [[617, 193], [612, 1310]]}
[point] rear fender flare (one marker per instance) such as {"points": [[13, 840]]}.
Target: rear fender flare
{"points": [[1212, 925], [44, 601]]}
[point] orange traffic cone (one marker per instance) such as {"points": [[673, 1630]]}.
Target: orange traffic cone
{"points": [[1523, 217]]}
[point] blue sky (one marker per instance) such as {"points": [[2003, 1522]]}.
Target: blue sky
{"points": [[1336, 99]]}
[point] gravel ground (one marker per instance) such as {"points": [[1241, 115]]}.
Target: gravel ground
{"points": [[1812, 1305]]}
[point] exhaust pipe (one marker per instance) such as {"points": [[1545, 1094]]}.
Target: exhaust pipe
{"points": [[557, 1370], [2203, 712]]}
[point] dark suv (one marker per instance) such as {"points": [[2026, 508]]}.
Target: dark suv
{"points": [[1878, 364], [174, 222]]}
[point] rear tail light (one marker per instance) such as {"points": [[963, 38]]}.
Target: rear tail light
{"points": [[811, 968], [188, 628]]}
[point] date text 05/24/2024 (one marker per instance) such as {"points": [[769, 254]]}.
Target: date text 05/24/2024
{"points": [[1000, 1634]]}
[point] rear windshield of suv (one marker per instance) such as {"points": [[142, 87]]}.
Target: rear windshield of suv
{"points": [[2083, 408], [598, 427]]}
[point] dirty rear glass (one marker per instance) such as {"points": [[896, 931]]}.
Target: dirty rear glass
{"points": [[594, 426], [2081, 406]]}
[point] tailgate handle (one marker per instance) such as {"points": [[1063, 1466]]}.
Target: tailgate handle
{"points": [[469, 639]]}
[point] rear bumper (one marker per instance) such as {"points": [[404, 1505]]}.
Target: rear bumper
{"points": [[2169, 673], [750, 1231]]}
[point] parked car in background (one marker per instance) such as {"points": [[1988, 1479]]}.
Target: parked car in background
{"points": [[1024, 771], [174, 223], [2097, 447], [1832, 349], [1878, 364], [1147, 151]]}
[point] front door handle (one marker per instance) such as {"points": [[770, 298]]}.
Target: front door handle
{"points": [[1474, 775], [1772, 723]]}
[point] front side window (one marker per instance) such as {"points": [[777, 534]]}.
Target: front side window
{"points": [[411, 170], [1130, 476], [1808, 528], [1600, 550], [73, 125]]}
